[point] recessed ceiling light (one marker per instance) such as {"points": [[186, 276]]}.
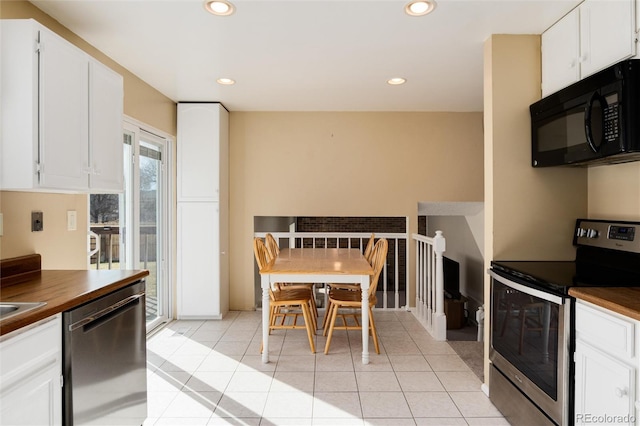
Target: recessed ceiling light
{"points": [[396, 81], [219, 7], [420, 8], [226, 81]]}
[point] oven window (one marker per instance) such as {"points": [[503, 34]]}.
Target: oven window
{"points": [[525, 332]]}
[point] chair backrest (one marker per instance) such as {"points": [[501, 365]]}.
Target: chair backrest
{"points": [[378, 259], [261, 253], [272, 246], [369, 248]]}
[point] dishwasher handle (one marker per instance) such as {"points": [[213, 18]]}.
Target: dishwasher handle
{"points": [[106, 311]]}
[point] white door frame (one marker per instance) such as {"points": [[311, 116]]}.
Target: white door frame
{"points": [[166, 213]]}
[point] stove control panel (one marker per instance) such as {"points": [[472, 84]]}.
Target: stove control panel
{"points": [[608, 234]]}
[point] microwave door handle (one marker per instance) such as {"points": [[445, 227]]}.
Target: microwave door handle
{"points": [[588, 128]]}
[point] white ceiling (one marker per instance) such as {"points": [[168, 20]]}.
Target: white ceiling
{"points": [[306, 55]]}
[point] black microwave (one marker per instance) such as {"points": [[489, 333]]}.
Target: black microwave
{"points": [[593, 121]]}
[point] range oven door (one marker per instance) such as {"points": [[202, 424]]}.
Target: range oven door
{"points": [[530, 343]]}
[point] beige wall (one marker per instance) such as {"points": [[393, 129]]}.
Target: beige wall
{"points": [[344, 164], [62, 249], [614, 192], [59, 248], [529, 212]]}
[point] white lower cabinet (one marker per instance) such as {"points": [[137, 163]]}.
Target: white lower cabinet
{"points": [[30, 375], [203, 289], [606, 367]]}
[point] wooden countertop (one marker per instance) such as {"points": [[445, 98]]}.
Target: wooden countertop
{"points": [[61, 290], [623, 300]]}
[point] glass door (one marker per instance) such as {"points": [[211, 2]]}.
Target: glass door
{"points": [[129, 229]]}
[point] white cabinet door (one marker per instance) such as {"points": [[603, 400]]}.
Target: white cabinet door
{"points": [[607, 33], [593, 36], [105, 128], [560, 51], [30, 372], [64, 151], [51, 95], [199, 260], [199, 130], [604, 387]]}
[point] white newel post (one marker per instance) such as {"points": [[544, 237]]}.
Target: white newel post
{"points": [[439, 326]]}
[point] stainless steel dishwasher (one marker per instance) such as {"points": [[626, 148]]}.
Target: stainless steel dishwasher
{"points": [[104, 344]]}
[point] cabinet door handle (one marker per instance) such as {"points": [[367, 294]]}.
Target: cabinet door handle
{"points": [[620, 392]]}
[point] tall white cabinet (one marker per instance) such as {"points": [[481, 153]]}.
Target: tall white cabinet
{"points": [[61, 114], [203, 211]]}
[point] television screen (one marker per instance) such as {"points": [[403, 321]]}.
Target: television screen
{"points": [[451, 278]]}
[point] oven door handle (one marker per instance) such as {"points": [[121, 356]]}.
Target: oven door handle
{"points": [[528, 290]]}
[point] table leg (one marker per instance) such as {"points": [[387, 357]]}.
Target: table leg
{"points": [[264, 282], [364, 285]]}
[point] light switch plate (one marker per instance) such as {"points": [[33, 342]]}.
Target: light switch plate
{"points": [[72, 220], [37, 223]]}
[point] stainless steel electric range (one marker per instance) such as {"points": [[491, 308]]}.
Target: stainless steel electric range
{"points": [[532, 319]]}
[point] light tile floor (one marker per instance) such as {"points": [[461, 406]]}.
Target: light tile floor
{"points": [[210, 373]]}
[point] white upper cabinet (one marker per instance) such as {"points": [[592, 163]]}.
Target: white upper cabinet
{"points": [[594, 35], [201, 128], [105, 128], [560, 52], [61, 115]]}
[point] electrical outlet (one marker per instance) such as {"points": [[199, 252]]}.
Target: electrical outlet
{"points": [[37, 223]]}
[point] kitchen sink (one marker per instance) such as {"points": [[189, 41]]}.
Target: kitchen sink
{"points": [[10, 309]]}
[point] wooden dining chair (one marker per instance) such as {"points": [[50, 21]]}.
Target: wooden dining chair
{"points": [[286, 305], [368, 251], [272, 245], [352, 300], [273, 250]]}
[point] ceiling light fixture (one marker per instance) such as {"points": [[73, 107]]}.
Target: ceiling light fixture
{"points": [[226, 81], [420, 8], [219, 7], [395, 81]]}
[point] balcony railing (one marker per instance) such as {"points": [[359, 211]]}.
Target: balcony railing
{"points": [[105, 246]]}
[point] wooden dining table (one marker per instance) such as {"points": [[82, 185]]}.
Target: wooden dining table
{"points": [[317, 265]]}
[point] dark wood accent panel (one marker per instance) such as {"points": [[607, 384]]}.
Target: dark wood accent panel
{"points": [[14, 266]]}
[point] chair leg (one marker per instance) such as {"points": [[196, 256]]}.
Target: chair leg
{"points": [[334, 314], [326, 322], [374, 332], [314, 317], [306, 313]]}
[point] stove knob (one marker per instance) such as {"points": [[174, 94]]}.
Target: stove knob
{"points": [[592, 233], [581, 232]]}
